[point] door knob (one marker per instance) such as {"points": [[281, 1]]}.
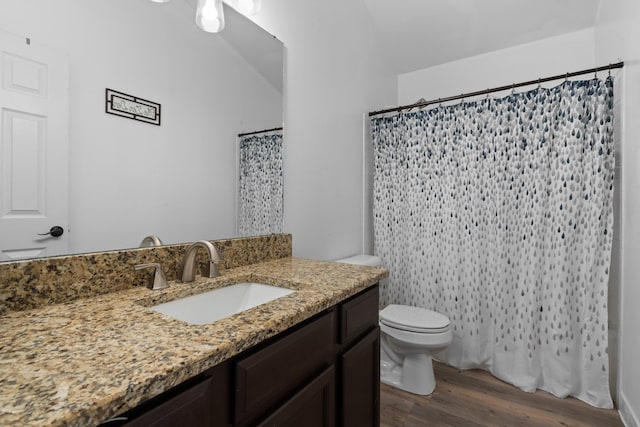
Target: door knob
{"points": [[55, 231]]}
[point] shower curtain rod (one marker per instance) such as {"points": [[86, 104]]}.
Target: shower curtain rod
{"points": [[258, 131], [423, 103]]}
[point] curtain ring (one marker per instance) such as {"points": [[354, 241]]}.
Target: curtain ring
{"points": [[513, 88], [439, 103], [539, 85], [609, 70], [566, 77]]}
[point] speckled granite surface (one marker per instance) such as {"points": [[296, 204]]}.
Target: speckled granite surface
{"points": [[35, 283], [81, 362]]}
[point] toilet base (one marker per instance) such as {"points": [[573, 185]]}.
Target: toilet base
{"points": [[414, 375]]}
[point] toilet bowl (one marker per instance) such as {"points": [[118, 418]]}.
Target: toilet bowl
{"points": [[409, 337]]}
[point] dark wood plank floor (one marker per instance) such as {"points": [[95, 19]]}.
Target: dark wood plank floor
{"points": [[476, 398]]}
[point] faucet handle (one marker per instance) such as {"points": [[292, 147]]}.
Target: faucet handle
{"points": [[159, 280]]}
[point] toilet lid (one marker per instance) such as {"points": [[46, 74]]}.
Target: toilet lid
{"points": [[370, 260], [414, 319]]}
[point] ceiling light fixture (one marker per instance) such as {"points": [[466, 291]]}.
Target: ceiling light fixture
{"points": [[210, 16]]}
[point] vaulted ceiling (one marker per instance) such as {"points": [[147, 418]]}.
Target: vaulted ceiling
{"points": [[416, 34]]}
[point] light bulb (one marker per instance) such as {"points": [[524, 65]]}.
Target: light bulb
{"points": [[249, 7], [160, 1], [209, 11], [210, 16]]}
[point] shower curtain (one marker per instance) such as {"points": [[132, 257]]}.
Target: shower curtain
{"points": [[499, 213], [261, 197]]}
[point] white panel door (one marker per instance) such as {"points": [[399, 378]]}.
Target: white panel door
{"points": [[33, 149]]}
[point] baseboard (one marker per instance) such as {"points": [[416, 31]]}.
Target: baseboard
{"points": [[629, 418]]}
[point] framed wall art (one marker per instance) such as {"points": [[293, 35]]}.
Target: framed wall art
{"points": [[132, 107]]}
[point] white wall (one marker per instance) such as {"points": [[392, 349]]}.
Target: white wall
{"points": [[333, 77], [617, 33], [556, 55], [129, 179]]}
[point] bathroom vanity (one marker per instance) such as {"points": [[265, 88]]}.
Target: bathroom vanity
{"points": [[323, 372], [313, 353]]}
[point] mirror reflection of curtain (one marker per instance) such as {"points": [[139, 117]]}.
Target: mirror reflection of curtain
{"points": [[498, 213], [261, 197]]}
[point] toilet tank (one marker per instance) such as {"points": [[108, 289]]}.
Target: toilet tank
{"points": [[370, 260]]}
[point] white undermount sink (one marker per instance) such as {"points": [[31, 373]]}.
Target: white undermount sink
{"points": [[207, 307]]}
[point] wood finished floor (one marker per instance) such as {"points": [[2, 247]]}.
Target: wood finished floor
{"points": [[476, 398]]}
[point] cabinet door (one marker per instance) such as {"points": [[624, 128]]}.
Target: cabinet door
{"points": [[313, 406], [191, 407], [360, 382]]}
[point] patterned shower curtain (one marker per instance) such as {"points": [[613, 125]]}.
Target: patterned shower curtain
{"points": [[261, 198], [499, 213]]}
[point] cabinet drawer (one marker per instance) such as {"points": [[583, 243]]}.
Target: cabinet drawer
{"points": [[359, 315], [189, 407], [313, 406], [268, 376]]}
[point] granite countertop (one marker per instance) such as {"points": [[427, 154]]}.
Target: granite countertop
{"points": [[83, 362]]}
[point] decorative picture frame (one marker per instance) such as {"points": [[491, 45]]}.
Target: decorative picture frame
{"points": [[132, 107]]}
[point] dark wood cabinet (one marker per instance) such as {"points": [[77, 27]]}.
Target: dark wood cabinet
{"points": [[323, 372]]}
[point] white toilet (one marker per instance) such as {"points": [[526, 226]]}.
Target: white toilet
{"points": [[409, 337]]}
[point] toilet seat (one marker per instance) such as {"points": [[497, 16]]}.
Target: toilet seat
{"points": [[414, 319]]}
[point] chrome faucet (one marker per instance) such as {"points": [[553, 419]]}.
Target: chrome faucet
{"points": [[150, 241], [189, 261]]}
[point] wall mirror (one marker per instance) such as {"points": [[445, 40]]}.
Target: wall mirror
{"points": [[128, 179]]}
